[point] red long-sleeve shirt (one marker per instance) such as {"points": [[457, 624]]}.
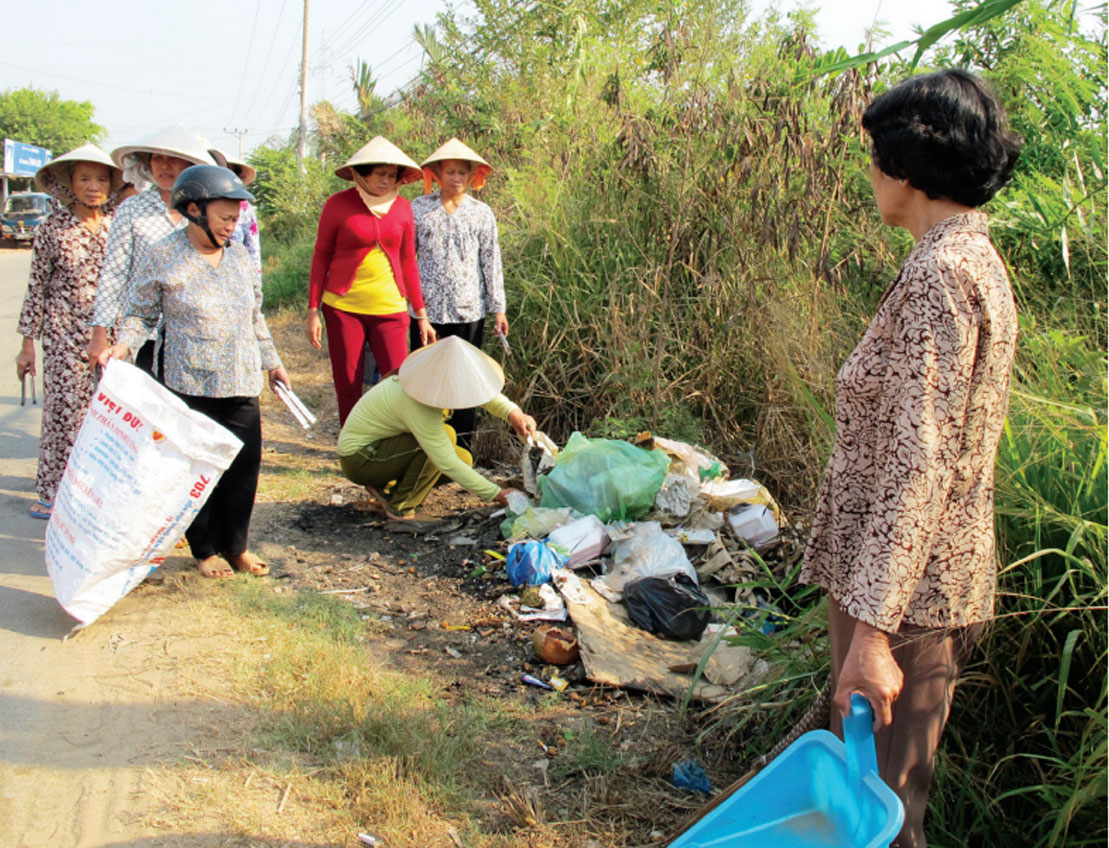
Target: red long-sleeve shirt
{"points": [[347, 232]]}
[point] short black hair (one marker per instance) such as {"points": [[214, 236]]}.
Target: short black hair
{"points": [[946, 133], [366, 170]]}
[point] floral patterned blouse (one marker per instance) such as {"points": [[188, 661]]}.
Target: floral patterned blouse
{"points": [[217, 341], [139, 222], [65, 267], [459, 259], [904, 524]]}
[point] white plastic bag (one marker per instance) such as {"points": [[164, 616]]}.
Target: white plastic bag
{"points": [[142, 467], [646, 552], [581, 540]]}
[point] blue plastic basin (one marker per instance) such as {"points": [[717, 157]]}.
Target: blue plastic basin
{"points": [[818, 793]]}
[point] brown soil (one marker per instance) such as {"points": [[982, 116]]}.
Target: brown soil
{"points": [[189, 764]]}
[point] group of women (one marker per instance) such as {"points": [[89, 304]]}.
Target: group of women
{"points": [[101, 271], [902, 539]]}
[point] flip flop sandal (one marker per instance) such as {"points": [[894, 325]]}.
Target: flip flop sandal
{"points": [[42, 514]]}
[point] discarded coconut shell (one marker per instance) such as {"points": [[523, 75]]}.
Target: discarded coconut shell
{"points": [[555, 645]]}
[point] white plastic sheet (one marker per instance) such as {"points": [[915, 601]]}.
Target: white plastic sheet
{"points": [[142, 467]]}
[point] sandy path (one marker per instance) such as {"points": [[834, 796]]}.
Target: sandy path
{"points": [[82, 720]]}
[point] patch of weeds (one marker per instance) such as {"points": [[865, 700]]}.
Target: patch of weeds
{"points": [[585, 752], [319, 615], [287, 482], [322, 695]]}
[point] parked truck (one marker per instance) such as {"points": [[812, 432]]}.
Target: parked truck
{"points": [[24, 211]]}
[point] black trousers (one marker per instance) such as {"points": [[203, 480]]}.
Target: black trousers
{"points": [[462, 420], [144, 357], [223, 524]]}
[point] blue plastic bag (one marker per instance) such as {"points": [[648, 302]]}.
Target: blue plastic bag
{"points": [[608, 478], [531, 563]]}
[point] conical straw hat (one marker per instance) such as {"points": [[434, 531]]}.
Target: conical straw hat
{"points": [[451, 374], [57, 172], [242, 170], [455, 149], [381, 151], [177, 140]]}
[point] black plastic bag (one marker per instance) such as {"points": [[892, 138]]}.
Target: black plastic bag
{"points": [[672, 606]]}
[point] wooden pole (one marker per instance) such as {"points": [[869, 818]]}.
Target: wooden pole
{"points": [[302, 130]]}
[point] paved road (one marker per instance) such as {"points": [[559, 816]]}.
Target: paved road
{"points": [[27, 606], [74, 739]]}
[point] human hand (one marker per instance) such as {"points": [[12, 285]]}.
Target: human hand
{"points": [[427, 332], [314, 328], [522, 423], [279, 375], [502, 496], [97, 344], [869, 669], [25, 359], [500, 324], [116, 351]]}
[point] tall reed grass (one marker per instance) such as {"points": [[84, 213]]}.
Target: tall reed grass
{"points": [[691, 247]]}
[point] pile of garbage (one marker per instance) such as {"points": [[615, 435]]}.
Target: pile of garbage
{"points": [[645, 548]]}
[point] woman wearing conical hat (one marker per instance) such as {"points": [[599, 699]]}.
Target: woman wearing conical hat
{"points": [[396, 442], [364, 277], [68, 250], [459, 255], [141, 221]]}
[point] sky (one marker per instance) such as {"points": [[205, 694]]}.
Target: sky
{"points": [[226, 66]]}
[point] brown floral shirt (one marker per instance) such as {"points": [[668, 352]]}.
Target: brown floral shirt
{"points": [[904, 524]]}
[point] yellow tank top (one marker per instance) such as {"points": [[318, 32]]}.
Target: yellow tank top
{"points": [[373, 291]]}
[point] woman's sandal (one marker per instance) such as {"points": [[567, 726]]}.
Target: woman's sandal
{"points": [[381, 504], [213, 567], [41, 509], [249, 563]]}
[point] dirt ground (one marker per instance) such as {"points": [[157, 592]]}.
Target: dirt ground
{"points": [[179, 735]]}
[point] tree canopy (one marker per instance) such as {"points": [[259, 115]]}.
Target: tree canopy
{"points": [[42, 118]]}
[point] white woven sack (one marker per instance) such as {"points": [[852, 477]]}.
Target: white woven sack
{"points": [[142, 467]]}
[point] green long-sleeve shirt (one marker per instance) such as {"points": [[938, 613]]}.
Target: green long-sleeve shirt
{"points": [[385, 410]]}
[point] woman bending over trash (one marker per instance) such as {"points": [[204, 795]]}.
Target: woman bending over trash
{"points": [[396, 442], [217, 345], [903, 537]]}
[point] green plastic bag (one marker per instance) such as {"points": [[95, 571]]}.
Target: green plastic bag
{"points": [[610, 479]]}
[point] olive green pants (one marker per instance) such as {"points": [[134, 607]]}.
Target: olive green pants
{"points": [[398, 468]]}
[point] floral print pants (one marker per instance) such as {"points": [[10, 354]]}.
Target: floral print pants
{"points": [[66, 393]]}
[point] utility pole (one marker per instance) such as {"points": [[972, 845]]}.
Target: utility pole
{"points": [[240, 134], [302, 131]]}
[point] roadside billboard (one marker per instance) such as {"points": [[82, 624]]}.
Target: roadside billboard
{"points": [[23, 159]]}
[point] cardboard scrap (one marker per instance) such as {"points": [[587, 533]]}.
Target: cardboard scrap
{"points": [[616, 652]]}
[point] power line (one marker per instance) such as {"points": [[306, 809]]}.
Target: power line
{"points": [[384, 14], [266, 63], [284, 64], [246, 61]]}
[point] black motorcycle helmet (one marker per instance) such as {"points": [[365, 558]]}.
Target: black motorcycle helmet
{"points": [[201, 183]]}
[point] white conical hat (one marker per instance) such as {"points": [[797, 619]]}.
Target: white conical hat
{"points": [[451, 374], [177, 140], [381, 151], [57, 172], [225, 160], [455, 149]]}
